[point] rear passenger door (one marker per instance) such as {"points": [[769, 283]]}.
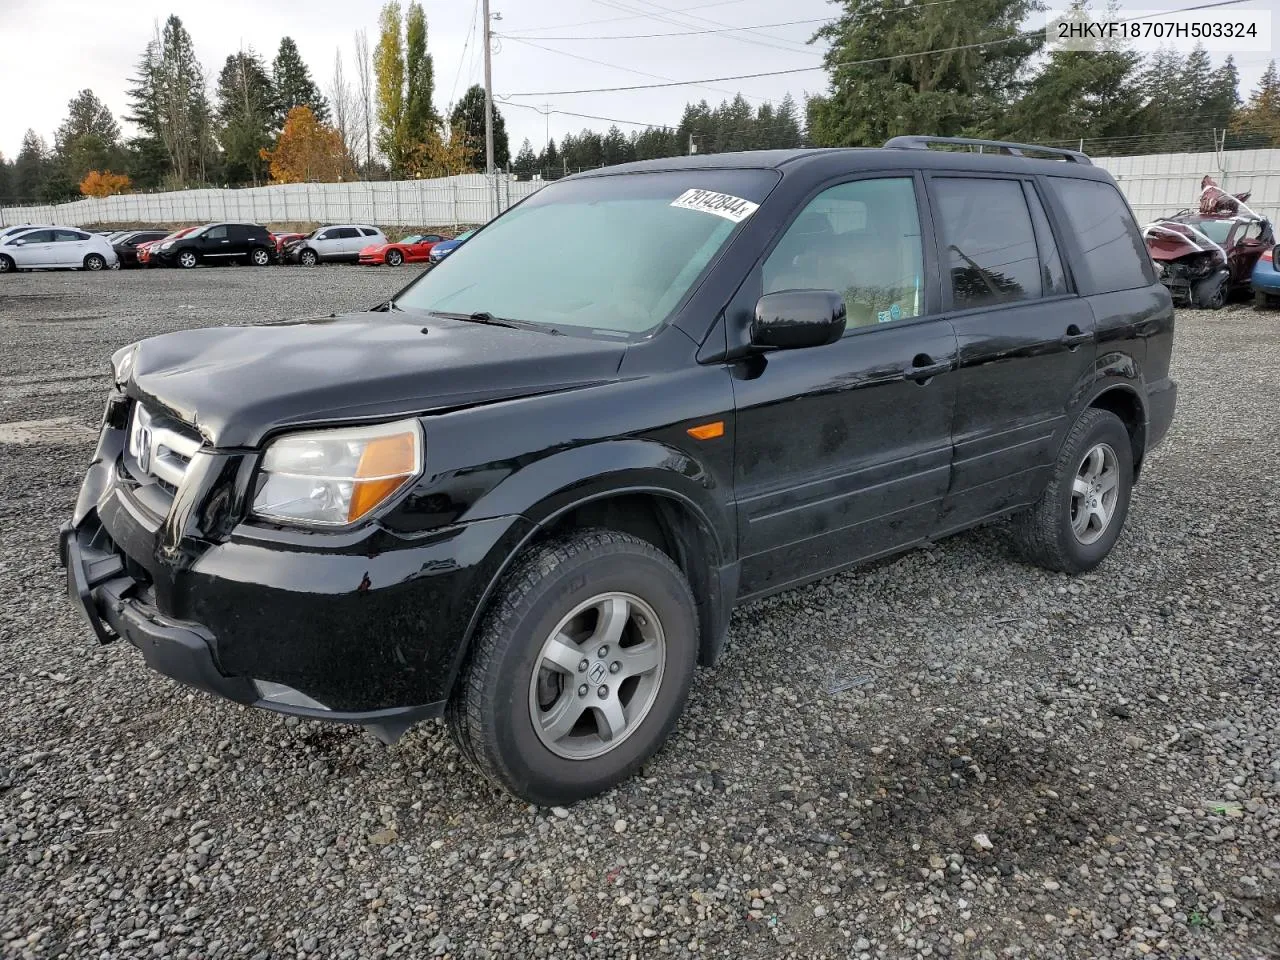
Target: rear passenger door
{"points": [[1026, 340], [352, 242], [69, 247]]}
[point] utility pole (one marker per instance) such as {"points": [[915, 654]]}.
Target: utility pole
{"points": [[488, 95]]}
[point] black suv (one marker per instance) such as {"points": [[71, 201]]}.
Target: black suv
{"points": [[525, 494], [218, 243]]}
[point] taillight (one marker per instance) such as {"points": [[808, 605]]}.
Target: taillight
{"points": [[1266, 255]]}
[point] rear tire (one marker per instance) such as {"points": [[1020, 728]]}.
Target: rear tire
{"points": [[519, 714], [95, 262], [1080, 515], [260, 257], [394, 258]]}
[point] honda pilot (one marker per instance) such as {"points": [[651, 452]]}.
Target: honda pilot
{"points": [[525, 493]]}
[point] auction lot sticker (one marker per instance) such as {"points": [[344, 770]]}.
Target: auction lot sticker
{"points": [[721, 204]]}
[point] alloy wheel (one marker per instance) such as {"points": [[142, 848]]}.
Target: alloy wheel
{"points": [[597, 676], [1094, 493]]}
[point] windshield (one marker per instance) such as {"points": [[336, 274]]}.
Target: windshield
{"points": [[626, 250], [1215, 230]]}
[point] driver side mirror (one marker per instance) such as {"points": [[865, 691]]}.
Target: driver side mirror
{"points": [[19, 243], [793, 319]]}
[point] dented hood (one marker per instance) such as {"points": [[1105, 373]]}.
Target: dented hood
{"points": [[237, 384]]}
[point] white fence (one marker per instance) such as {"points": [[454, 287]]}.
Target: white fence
{"points": [[468, 199], [1163, 183], [1155, 184]]}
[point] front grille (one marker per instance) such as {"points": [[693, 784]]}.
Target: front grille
{"points": [[161, 448]]}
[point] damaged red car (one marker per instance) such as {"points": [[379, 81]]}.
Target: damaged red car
{"points": [[1206, 255]]}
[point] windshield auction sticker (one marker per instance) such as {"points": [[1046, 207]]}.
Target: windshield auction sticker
{"points": [[721, 204]]}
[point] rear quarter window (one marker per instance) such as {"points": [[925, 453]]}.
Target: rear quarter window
{"points": [[1106, 235]]}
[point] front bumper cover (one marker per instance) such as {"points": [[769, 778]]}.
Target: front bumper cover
{"points": [[115, 606]]}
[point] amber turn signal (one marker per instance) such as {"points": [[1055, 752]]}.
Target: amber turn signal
{"points": [[707, 431]]}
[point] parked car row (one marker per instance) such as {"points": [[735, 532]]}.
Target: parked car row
{"points": [[45, 247]]}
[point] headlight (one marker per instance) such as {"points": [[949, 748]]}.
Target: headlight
{"points": [[336, 477], [166, 245]]}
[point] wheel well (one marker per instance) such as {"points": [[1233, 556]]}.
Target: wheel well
{"points": [[672, 527], [1126, 405]]}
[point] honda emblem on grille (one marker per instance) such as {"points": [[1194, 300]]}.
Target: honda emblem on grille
{"points": [[144, 448]]}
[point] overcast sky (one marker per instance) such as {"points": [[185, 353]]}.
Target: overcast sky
{"points": [[72, 44]]}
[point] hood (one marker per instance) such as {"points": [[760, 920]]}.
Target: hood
{"points": [[236, 384], [1170, 240]]}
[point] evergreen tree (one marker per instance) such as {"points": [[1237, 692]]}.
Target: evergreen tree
{"points": [[420, 115], [616, 148], [526, 161], [787, 134], [550, 163], [6, 181], [170, 107], [88, 138], [468, 117], [293, 85], [1260, 117], [30, 168], [1220, 98], [963, 90], [246, 102]]}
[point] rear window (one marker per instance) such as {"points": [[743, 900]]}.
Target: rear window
{"points": [[1108, 239]]}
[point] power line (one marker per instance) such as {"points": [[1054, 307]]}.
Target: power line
{"points": [[614, 66], [589, 116], [587, 23], [696, 33], [845, 63], [665, 17], [462, 57]]}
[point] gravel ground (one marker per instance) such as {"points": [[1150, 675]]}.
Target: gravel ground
{"points": [[1019, 764]]}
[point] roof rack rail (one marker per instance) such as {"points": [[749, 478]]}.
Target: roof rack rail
{"points": [[1014, 149]]}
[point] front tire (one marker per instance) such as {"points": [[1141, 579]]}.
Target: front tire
{"points": [[308, 258], [187, 259], [95, 262], [394, 258], [598, 598], [7, 265], [1080, 515]]}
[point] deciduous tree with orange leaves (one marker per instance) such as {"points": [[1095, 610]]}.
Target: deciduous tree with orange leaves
{"points": [[307, 151], [104, 183]]}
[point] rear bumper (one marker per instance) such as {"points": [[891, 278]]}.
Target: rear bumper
{"points": [[1162, 399], [1267, 281]]}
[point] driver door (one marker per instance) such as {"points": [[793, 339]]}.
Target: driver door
{"points": [[34, 249], [843, 452]]}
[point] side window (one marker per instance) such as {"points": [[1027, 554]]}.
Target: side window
{"points": [[989, 246], [1109, 240], [431, 238], [368, 232], [328, 235], [35, 236], [348, 233], [68, 236], [1252, 231], [862, 240], [216, 233], [1053, 278]]}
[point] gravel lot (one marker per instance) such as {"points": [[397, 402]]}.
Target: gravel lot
{"points": [[1020, 764]]}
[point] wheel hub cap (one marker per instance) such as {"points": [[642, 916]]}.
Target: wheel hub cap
{"points": [[597, 676], [1094, 493]]}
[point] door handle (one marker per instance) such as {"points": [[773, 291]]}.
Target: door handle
{"points": [[1074, 337], [923, 367]]}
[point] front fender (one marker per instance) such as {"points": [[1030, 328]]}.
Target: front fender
{"points": [[550, 486]]}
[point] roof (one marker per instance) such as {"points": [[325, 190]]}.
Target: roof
{"points": [[855, 158]]}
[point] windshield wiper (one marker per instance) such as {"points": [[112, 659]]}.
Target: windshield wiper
{"points": [[480, 316]]}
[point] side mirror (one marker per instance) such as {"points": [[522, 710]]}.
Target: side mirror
{"points": [[19, 243], [792, 319]]}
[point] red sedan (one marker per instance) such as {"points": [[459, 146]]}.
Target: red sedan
{"points": [[412, 249]]}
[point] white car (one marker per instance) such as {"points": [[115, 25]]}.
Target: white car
{"points": [[55, 248], [336, 243]]}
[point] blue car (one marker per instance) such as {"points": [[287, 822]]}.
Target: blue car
{"points": [[446, 247], [1265, 280]]}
